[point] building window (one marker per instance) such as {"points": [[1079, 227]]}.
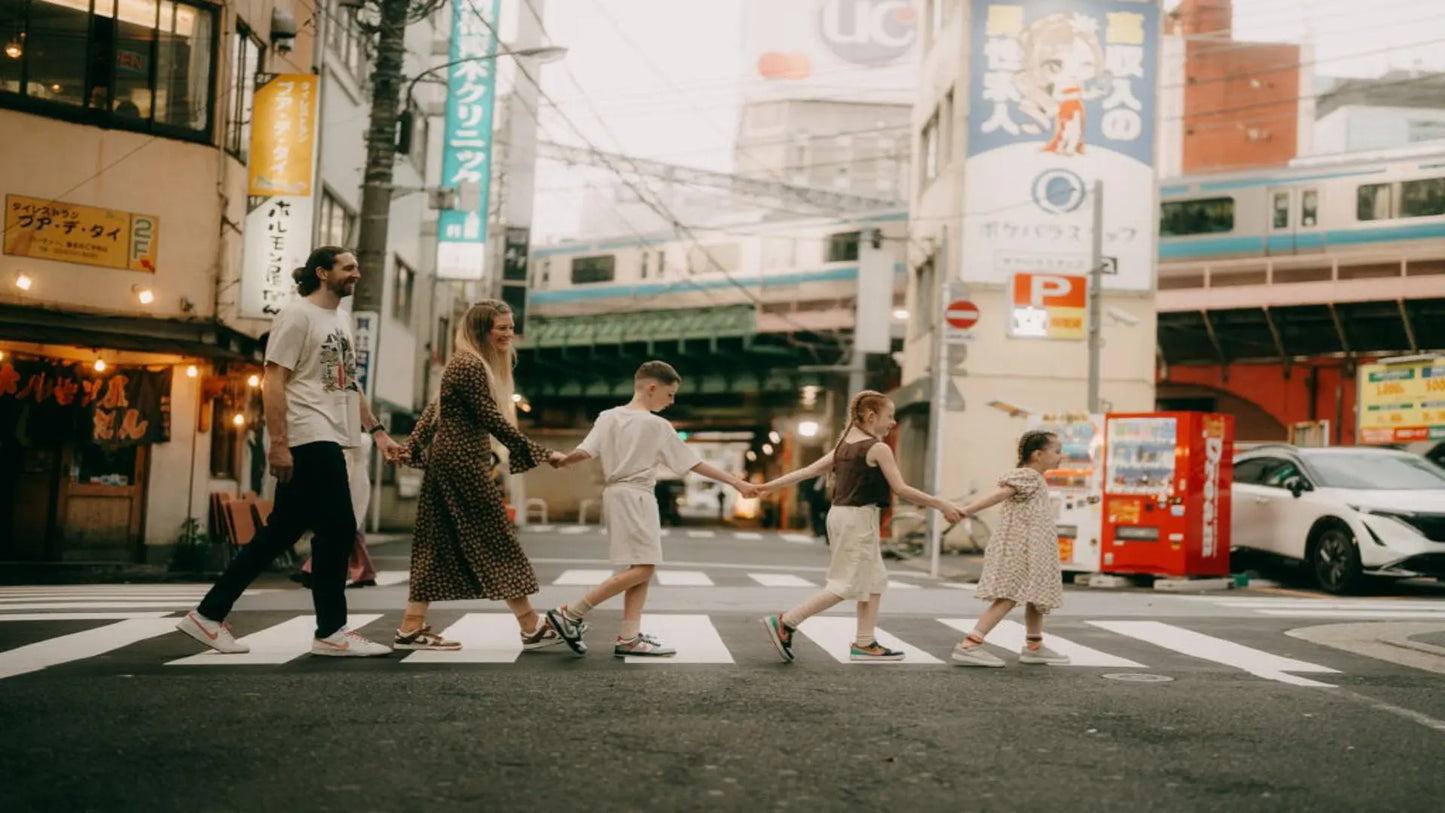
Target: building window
{"points": [[1206, 216], [1422, 198], [131, 64], [842, 247], [928, 149], [925, 289], [1372, 202], [349, 42], [246, 55], [587, 270], [225, 442], [335, 224], [402, 285]]}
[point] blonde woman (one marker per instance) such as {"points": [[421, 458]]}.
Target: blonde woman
{"points": [[464, 547]]}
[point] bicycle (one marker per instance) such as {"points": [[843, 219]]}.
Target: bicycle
{"points": [[912, 537]]}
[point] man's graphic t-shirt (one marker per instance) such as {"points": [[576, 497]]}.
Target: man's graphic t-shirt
{"points": [[322, 402]]}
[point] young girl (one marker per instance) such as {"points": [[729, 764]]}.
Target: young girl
{"points": [[1021, 564], [865, 472]]}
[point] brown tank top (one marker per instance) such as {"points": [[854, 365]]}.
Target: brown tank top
{"points": [[857, 483]]}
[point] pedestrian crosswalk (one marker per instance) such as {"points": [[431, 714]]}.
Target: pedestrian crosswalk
{"points": [[684, 533], [84, 597], [277, 638], [1360, 609]]}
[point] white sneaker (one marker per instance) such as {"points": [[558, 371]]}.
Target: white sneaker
{"points": [[1042, 655], [347, 644], [214, 634], [974, 656]]}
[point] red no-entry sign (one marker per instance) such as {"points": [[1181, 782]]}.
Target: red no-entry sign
{"points": [[961, 314]]}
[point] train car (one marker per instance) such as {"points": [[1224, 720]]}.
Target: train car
{"points": [[1358, 203], [778, 264]]}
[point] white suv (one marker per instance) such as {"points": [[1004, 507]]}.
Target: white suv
{"points": [[1345, 511]]}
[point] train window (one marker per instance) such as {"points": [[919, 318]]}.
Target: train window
{"points": [[593, 269], [1205, 216], [1422, 198], [1309, 207], [842, 247], [1281, 210], [642, 264], [1372, 202]]}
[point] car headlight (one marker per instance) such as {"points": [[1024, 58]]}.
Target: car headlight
{"points": [[1405, 517]]}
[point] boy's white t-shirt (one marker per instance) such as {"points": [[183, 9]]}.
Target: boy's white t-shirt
{"points": [[631, 442], [322, 402]]}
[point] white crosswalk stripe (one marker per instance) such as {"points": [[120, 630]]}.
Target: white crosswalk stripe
{"points": [[747, 535], [492, 638], [780, 580], [1207, 647], [586, 578], [701, 534], [894, 584], [683, 578], [385, 578], [798, 539], [89, 597], [1010, 635]]}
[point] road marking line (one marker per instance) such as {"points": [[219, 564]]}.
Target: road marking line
{"points": [[587, 578], [385, 578], [897, 585], [693, 636], [835, 635], [79, 645], [1205, 647], [748, 535], [797, 539], [77, 616], [1399, 711], [957, 586], [573, 529], [273, 645], [683, 578], [541, 529], [780, 580], [1010, 635], [1367, 614], [485, 638], [702, 534], [97, 605], [1332, 604]]}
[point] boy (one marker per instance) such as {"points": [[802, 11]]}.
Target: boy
{"points": [[630, 440]]}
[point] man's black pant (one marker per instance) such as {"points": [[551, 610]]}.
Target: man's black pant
{"points": [[319, 498]]}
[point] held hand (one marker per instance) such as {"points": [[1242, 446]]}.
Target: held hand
{"points": [[749, 490], [390, 449], [953, 513], [281, 463], [556, 460]]}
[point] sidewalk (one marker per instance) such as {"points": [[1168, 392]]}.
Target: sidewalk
{"points": [[42, 573]]}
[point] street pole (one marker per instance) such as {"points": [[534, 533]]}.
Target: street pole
{"points": [[937, 400], [1096, 284]]}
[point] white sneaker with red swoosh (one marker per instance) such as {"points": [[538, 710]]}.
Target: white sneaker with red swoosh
{"points": [[347, 644], [214, 634]]}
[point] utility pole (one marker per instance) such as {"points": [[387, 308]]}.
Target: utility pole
{"points": [[938, 397], [376, 187], [1096, 285]]}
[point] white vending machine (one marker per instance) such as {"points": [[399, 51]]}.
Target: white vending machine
{"points": [[1077, 487]]}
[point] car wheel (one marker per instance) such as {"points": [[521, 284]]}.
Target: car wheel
{"points": [[1334, 561]]}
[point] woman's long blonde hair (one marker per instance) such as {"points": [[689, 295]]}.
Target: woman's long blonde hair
{"points": [[473, 336]]}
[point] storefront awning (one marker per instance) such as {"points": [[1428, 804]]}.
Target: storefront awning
{"points": [[204, 339]]}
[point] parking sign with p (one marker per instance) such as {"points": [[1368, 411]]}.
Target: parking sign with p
{"points": [[1049, 306]]}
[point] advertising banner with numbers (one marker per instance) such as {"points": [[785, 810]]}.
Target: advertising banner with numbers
{"points": [[1400, 403], [467, 140], [282, 164], [1061, 93]]}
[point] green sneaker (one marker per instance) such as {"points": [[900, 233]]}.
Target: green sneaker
{"points": [[873, 652]]}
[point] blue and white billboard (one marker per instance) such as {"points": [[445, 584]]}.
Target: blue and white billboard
{"points": [[1061, 93], [467, 143]]}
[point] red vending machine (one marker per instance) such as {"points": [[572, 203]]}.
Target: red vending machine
{"points": [[1167, 478]]}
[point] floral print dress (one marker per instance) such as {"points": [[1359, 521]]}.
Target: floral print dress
{"points": [[1022, 559], [464, 546]]}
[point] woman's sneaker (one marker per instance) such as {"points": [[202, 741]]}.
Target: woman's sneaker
{"points": [[1042, 655], [643, 644], [873, 653], [214, 634], [974, 656], [571, 631], [347, 644], [781, 635], [424, 638]]}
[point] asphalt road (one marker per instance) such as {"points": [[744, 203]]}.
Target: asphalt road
{"points": [[1242, 712]]}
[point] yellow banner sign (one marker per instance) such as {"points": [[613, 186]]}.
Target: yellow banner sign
{"points": [[88, 235], [283, 136], [1400, 403]]}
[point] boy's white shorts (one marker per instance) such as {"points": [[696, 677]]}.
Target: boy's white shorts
{"points": [[634, 525]]}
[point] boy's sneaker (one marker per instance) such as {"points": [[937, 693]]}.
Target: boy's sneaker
{"points": [[571, 631], [781, 635], [214, 634], [873, 653], [424, 638], [643, 644], [1042, 655], [347, 644], [974, 656]]}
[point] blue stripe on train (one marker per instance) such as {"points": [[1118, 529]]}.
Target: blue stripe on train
{"points": [[590, 292], [1191, 248]]}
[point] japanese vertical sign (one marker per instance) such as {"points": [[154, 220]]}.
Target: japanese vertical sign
{"points": [[67, 232], [277, 235], [1061, 93], [467, 142]]}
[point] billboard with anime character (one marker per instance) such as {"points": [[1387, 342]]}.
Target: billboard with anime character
{"points": [[1061, 93]]}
